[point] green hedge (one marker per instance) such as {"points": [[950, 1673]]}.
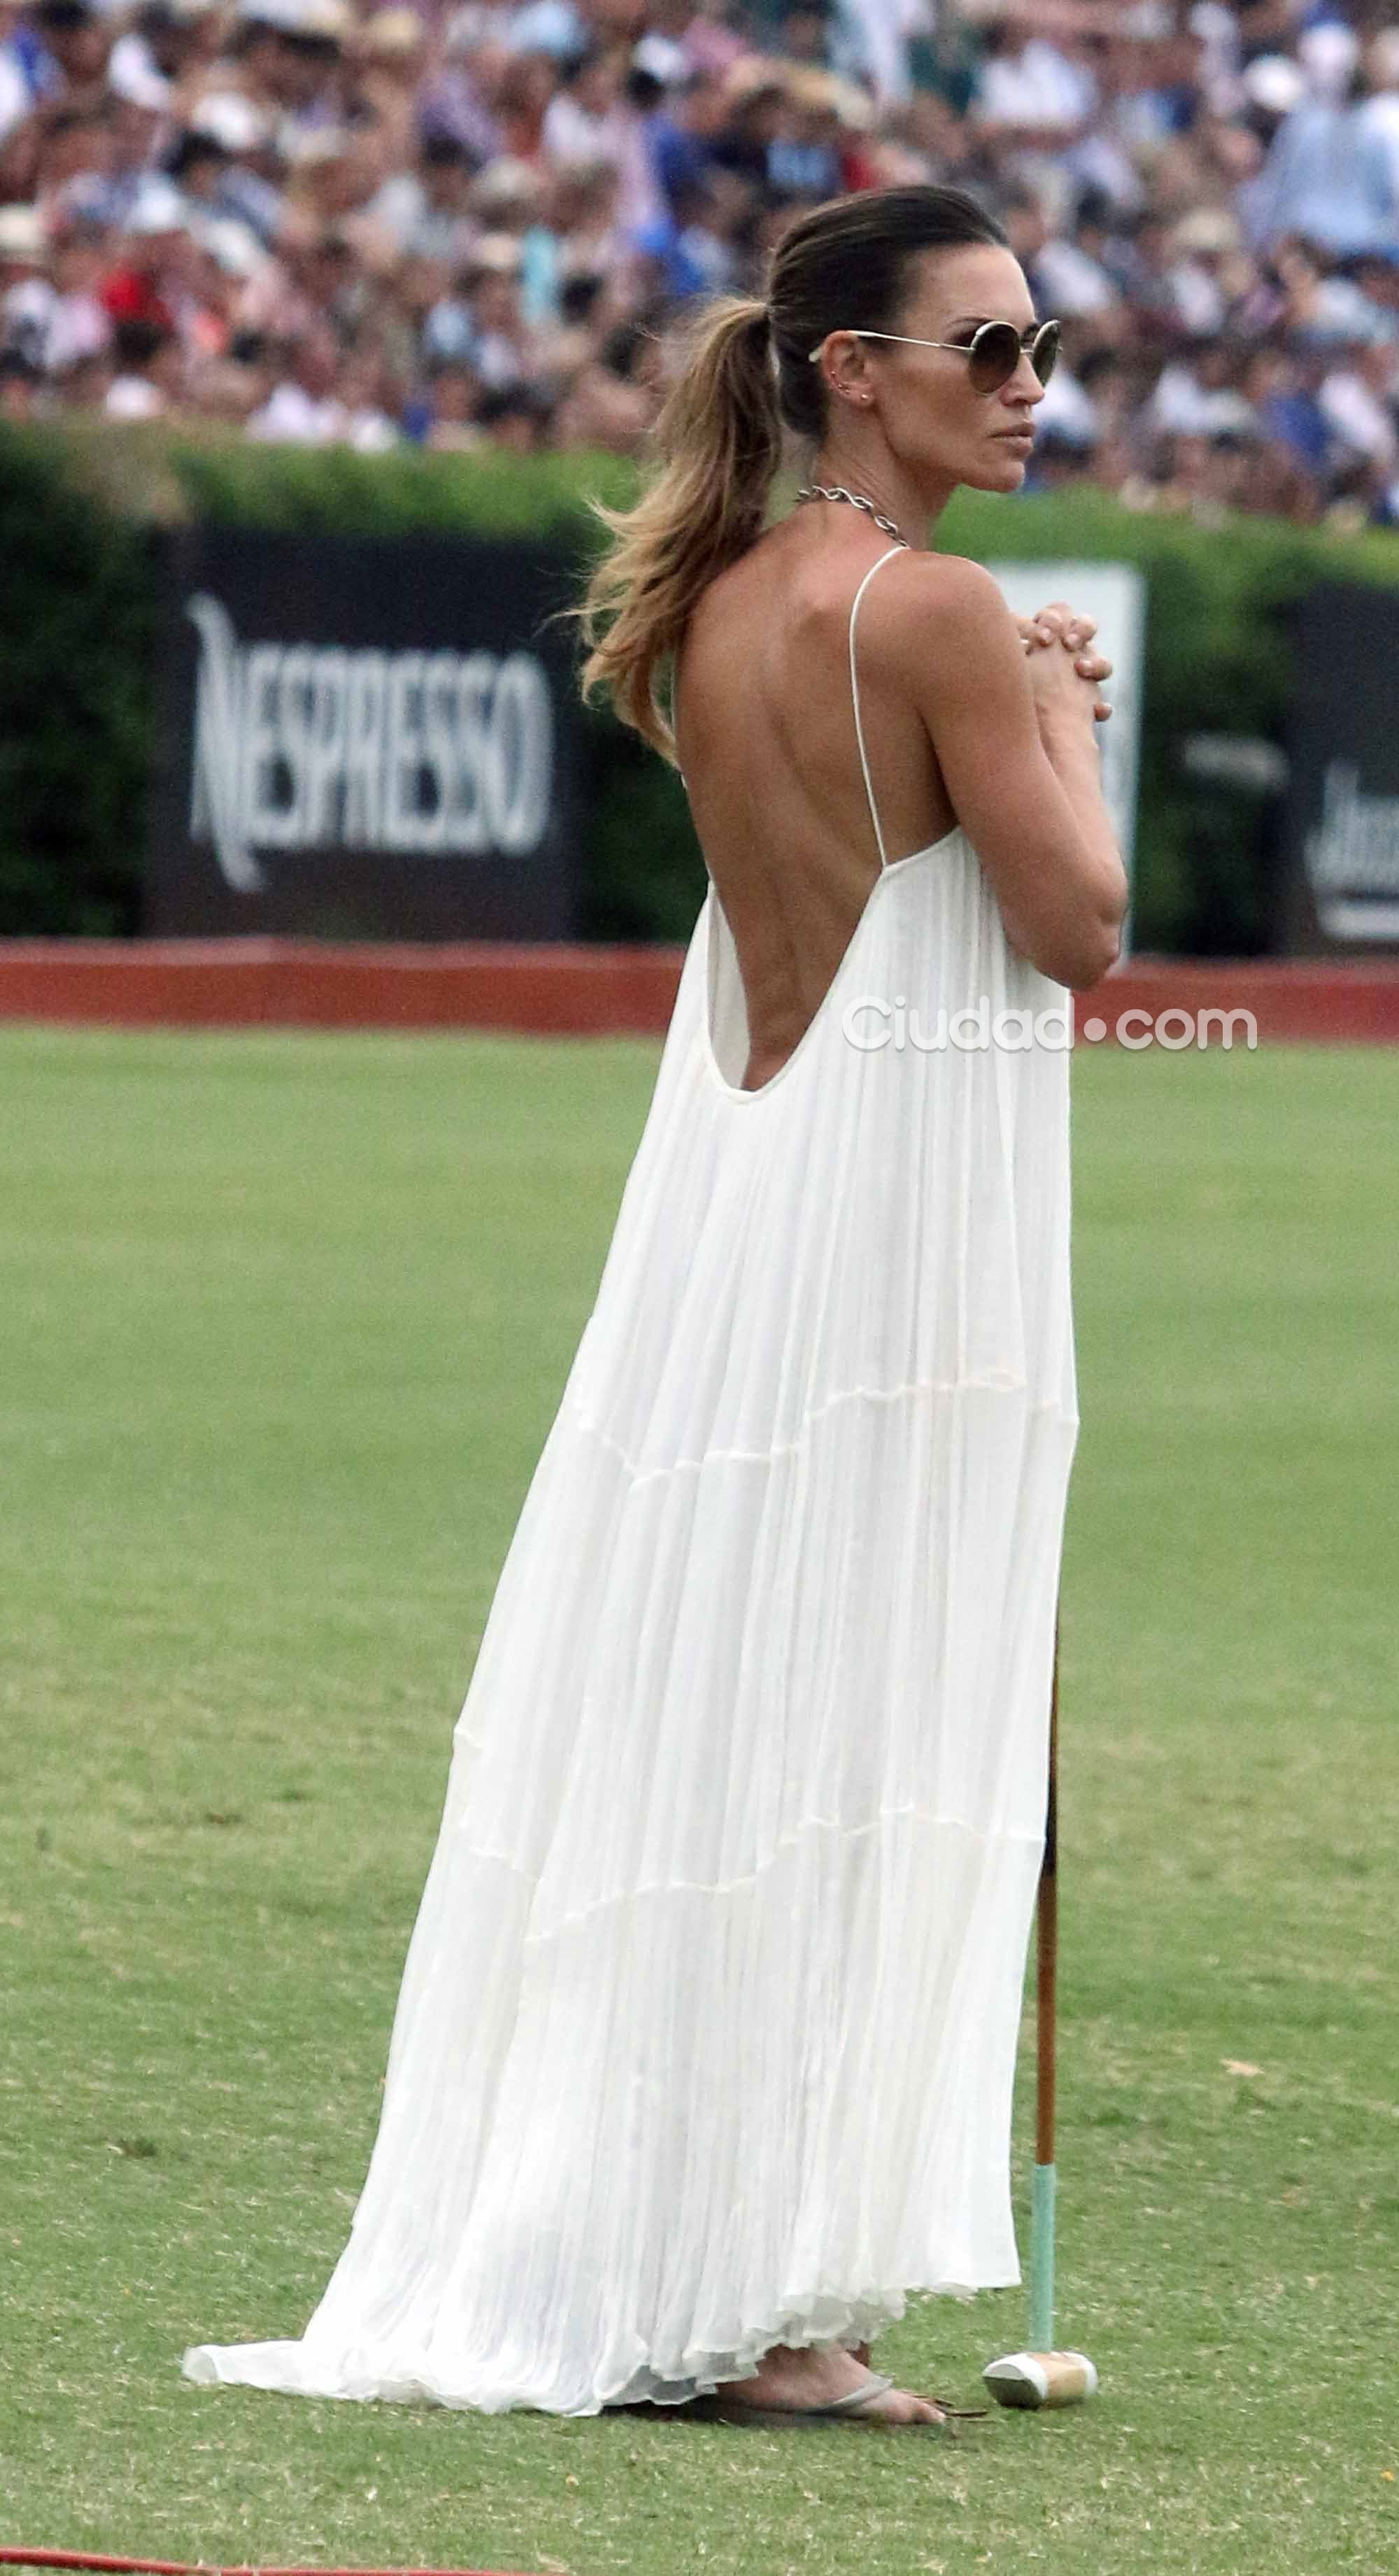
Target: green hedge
{"points": [[76, 703], [77, 511]]}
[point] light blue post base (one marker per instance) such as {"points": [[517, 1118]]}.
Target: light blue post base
{"points": [[1042, 2261]]}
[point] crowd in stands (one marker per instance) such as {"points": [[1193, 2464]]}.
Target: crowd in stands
{"points": [[466, 223]]}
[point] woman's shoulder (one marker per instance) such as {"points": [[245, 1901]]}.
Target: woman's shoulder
{"points": [[925, 573], [929, 600]]}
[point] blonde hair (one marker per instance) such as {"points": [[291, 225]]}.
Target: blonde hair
{"points": [[719, 434], [745, 377]]}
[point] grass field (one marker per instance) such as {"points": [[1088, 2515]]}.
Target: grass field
{"points": [[285, 1319]]}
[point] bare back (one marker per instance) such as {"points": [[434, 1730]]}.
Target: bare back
{"points": [[766, 734]]}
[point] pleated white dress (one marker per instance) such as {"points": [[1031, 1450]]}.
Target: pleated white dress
{"points": [[707, 2028]]}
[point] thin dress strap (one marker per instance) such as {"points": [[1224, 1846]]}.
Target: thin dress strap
{"points": [[855, 699]]}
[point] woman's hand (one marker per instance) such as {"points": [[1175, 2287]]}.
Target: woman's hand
{"points": [[1074, 634]]}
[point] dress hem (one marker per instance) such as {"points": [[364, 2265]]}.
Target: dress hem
{"points": [[698, 2373]]}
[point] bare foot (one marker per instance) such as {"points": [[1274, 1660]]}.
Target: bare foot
{"points": [[805, 2375]]}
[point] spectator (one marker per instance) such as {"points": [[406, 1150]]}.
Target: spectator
{"points": [[78, 326], [304, 405], [72, 43], [1357, 394], [609, 403], [1330, 172], [804, 157], [424, 212], [755, 97], [482, 322], [390, 53], [150, 371], [455, 100], [21, 388], [1379, 112], [686, 251], [16, 93], [683, 131], [514, 416], [371, 398], [520, 98], [511, 198], [246, 191], [450, 412], [1061, 456], [1064, 276], [1031, 91], [585, 119], [27, 297]]}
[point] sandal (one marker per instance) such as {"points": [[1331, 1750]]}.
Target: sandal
{"points": [[737, 2410]]}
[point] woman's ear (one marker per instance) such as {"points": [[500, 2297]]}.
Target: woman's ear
{"points": [[846, 368]]}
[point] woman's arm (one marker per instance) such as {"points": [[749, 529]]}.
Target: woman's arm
{"points": [[1014, 740]]}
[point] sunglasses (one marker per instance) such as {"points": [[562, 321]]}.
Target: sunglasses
{"points": [[993, 352]]}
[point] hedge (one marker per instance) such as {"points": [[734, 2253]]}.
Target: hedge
{"points": [[79, 508]]}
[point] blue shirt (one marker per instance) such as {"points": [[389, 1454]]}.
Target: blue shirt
{"points": [[1327, 175], [1300, 423], [661, 239], [680, 160]]}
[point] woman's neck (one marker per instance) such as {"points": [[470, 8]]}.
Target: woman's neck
{"points": [[879, 478]]}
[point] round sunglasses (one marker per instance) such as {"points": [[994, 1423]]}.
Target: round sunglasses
{"points": [[993, 352]]}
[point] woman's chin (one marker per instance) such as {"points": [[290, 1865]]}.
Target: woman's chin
{"points": [[1004, 473]]}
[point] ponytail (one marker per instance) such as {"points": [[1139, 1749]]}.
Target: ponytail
{"points": [[720, 435]]}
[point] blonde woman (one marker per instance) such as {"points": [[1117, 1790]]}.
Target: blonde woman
{"points": [[704, 2051]]}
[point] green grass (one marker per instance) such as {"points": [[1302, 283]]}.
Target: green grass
{"points": [[284, 1321]]}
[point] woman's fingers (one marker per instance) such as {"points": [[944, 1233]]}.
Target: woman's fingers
{"points": [[1058, 619], [1059, 624]]}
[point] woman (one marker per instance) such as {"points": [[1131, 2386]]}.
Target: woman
{"points": [[704, 2053]]}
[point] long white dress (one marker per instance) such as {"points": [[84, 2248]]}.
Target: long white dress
{"points": [[707, 2028]]}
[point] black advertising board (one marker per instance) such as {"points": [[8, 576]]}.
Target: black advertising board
{"points": [[1341, 823], [363, 738]]}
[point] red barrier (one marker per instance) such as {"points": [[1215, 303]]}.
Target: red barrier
{"points": [[561, 990], [312, 983], [1338, 1002]]}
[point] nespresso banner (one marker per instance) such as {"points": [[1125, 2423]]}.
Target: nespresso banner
{"points": [[363, 738]]}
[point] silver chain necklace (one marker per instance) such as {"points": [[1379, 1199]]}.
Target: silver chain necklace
{"points": [[837, 492]]}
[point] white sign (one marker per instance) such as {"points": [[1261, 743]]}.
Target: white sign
{"points": [[327, 746], [1115, 595], [1352, 858]]}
